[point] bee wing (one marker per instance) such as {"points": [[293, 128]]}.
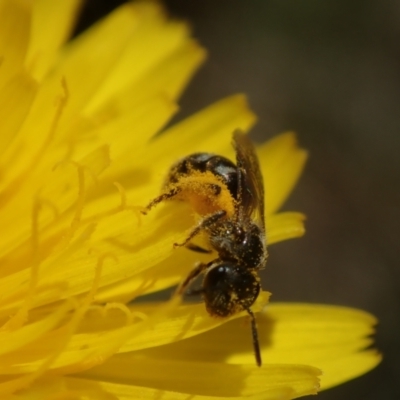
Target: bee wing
{"points": [[250, 182]]}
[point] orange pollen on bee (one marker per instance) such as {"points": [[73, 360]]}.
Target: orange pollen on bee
{"points": [[205, 192]]}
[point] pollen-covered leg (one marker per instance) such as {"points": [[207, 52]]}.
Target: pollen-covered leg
{"points": [[203, 224], [196, 271], [162, 197], [194, 292], [198, 249]]}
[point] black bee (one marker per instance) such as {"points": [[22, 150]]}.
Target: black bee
{"points": [[230, 200]]}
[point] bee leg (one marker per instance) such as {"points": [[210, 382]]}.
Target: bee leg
{"points": [[254, 332], [203, 224], [194, 273], [194, 292], [199, 249], [162, 197]]}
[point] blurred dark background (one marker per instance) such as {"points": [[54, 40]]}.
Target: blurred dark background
{"points": [[329, 70]]}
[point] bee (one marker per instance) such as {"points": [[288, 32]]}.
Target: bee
{"points": [[229, 198]]}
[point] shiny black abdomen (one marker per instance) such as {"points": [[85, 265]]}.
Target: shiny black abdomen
{"points": [[220, 166]]}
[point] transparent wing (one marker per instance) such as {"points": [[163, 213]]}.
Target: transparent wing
{"points": [[250, 181]]}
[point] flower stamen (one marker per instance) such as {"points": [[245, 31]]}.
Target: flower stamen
{"points": [[21, 315], [125, 310], [122, 194]]}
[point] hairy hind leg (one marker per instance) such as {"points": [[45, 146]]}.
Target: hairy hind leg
{"points": [[194, 273], [203, 224], [197, 248], [169, 194]]}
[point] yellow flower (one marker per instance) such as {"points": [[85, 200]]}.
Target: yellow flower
{"points": [[78, 160]]}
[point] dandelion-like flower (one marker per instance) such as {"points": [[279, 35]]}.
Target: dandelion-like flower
{"points": [[79, 158]]}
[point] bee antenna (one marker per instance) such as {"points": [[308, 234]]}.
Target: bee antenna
{"points": [[254, 333]]}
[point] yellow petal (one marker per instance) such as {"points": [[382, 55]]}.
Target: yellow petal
{"points": [[16, 98], [282, 162], [283, 226], [103, 334], [330, 338], [81, 352], [80, 154], [182, 322], [47, 124], [335, 370], [29, 333], [63, 388], [64, 187], [207, 379], [13, 42], [97, 50], [170, 75], [42, 46], [165, 274], [208, 130], [154, 43], [136, 128]]}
